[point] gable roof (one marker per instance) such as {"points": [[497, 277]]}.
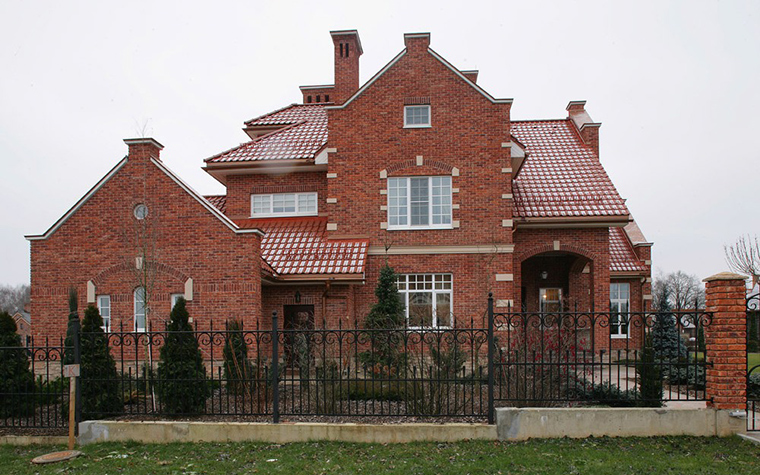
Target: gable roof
{"points": [[440, 58], [299, 247], [561, 176], [197, 196], [302, 135], [622, 256]]}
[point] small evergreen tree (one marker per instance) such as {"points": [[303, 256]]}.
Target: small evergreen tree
{"points": [[650, 378], [667, 343], [68, 351], [100, 382], [181, 374], [237, 369], [16, 379], [387, 314]]}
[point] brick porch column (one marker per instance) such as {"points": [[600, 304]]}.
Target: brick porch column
{"points": [[726, 340]]}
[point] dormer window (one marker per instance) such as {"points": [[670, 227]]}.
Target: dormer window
{"points": [[283, 204], [416, 116]]}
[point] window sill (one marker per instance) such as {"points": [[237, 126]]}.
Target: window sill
{"points": [[419, 228], [427, 126], [620, 337], [282, 215]]}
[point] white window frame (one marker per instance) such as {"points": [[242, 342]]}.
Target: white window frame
{"points": [[104, 303], [438, 280], [296, 199], [430, 203], [408, 109], [173, 299], [616, 328], [144, 310]]}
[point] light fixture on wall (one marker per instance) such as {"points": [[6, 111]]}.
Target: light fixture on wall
{"points": [[297, 297], [544, 275]]}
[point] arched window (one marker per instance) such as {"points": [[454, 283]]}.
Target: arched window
{"points": [[140, 309]]}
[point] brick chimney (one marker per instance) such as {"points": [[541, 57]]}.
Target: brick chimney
{"points": [[144, 149], [588, 129], [348, 48], [417, 42]]}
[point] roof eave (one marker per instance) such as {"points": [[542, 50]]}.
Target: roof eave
{"points": [[573, 222]]}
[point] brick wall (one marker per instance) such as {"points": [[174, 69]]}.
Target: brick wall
{"points": [[99, 243], [241, 187]]}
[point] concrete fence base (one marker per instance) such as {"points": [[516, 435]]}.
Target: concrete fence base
{"points": [[543, 423], [168, 431]]}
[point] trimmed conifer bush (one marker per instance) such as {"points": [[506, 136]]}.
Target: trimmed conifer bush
{"points": [[237, 369], [182, 377], [650, 378], [387, 314], [68, 351], [16, 379], [100, 381]]}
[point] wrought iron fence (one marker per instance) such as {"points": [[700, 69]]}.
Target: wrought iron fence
{"points": [[621, 359], [519, 359], [36, 395]]}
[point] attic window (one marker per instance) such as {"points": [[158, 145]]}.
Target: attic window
{"points": [[141, 211], [327, 97], [308, 99], [319, 98], [416, 116]]}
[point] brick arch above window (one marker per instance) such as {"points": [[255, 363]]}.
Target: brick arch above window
{"points": [[397, 168], [128, 267]]}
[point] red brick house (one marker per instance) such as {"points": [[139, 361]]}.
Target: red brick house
{"points": [[419, 167]]}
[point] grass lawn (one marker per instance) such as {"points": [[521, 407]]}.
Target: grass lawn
{"points": [[753, 359], [672, 455]]}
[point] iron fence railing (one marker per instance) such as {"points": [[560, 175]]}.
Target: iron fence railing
{"points": [[611, 358], [38, 397], [269, 374]]}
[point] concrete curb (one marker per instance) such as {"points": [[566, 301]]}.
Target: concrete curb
{"points": [[169, 431], [33, 440], [547, 423]]}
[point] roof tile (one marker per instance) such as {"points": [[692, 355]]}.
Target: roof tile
{"points": [[622, 256], [561, 177]]}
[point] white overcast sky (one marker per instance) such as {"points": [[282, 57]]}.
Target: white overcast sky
{"points": [[674, 84]]}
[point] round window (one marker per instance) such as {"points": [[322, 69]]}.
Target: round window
{"points": [[141, 211]]}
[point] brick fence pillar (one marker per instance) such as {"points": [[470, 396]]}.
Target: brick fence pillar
{"points": [[726, 341]]}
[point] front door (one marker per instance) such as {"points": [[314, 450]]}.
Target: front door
{"points": [[297, 347], [550, 300]]}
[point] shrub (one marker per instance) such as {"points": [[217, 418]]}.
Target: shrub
{"points": [[605, 393], [753, 387], [650, 378], [100, 381], [386, 314], [237, 368], [71, 328], [16, 379], [182, 377]]}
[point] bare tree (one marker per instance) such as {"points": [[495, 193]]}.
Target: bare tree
{"points": [[743, 257], [13, 299], [677, 291]]}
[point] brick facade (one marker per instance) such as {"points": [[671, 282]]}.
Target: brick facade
{"points": [[489, 246], [98, 243]]}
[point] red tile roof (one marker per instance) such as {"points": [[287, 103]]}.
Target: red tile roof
{"points": [[219, 202], [561, 177], [302, 136], [622, 256], [300, 246]]}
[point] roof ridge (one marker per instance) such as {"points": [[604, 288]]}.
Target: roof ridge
{"points": [[293, 104]]}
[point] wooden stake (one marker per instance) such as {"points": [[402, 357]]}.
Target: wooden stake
{"points": [[72, 410]]}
